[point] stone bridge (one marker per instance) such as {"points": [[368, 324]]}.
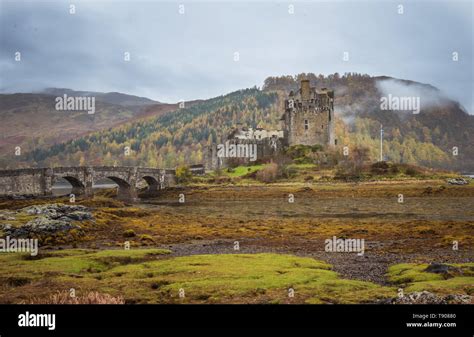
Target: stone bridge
{"points": [[39, 181]]}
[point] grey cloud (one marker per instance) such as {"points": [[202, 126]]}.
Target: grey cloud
{"points": [[190, 56], [429, 96]]}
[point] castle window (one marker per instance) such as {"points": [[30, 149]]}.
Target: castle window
{"points": [[306, 124], [322, 126]]}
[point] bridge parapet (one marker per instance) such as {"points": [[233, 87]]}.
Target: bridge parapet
{"points": [[39, 181]]}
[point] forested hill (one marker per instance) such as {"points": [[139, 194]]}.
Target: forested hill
{"points": [[179, 137], [165, 141], [31, 120], [426, 138]]}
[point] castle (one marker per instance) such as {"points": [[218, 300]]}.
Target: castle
{"points": [[308, 120], [309, 117]]}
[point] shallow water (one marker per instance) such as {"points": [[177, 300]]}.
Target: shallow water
{"points": [[64, 189]]}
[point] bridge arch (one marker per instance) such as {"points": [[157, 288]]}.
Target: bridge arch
{"points": [[150, 180], [125, 190], [77, 185], [126, 186], [148, 184]]}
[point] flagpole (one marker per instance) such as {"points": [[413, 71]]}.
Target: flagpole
{"points": [[381, 142]]}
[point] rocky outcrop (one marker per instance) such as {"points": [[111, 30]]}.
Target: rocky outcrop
{"points": [[40, 226], [51, 221], [7, 215], [445, 270], [55, 211], [426, 297]]}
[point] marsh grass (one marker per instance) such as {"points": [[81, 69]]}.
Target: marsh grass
{"points": [[413, 277], [140, 277], [149, 276]]}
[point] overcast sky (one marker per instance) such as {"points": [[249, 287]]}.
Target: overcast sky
{"points": [[188, 56]]}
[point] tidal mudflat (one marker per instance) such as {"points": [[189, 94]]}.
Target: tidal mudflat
{"points": [[250, 244]]}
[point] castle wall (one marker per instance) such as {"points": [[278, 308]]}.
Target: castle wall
{"points": [[308, 128], [267, 147]]}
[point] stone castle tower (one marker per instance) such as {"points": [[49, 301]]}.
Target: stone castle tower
{"points": [[308, 120], [309, 117]]}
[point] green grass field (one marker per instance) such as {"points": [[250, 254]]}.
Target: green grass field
{"points": [[149, 276]]}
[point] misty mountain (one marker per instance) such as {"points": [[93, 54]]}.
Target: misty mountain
{"points": [[440, 125], [180, 136]]}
